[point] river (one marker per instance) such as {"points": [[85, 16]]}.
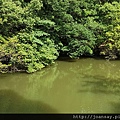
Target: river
{"points": [[84, 86]]}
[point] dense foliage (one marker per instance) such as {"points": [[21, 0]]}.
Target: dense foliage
{"points": [[24, 45], [35, 32]]}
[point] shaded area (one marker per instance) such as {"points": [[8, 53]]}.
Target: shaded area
{"points": [[116, 107], [11, 102], [67, 59]]}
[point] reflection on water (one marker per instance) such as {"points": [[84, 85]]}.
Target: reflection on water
{"points": [[85, 86]]}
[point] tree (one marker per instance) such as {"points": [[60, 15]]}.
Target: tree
{"points": [[111, 45], [34, 48]]}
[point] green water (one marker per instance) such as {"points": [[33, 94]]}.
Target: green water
{"points": [[85, 86]]}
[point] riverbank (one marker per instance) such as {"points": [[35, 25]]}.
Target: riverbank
{"points": [[85, 86], [67, 59]]}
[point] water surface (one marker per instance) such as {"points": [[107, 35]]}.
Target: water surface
{"points": [[85, 86]]}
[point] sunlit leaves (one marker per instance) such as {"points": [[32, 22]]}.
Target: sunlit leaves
{"points": [[112, 19]]}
